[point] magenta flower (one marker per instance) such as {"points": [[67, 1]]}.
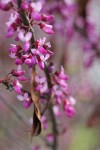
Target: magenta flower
{"points": [[5, 4], [69, 106], [56, 111], [36, 7], [36, 16], [41, 55], [25, 5], [42, 41], [47, 18], [46, 28], [10, 32], [13, 24], [69, 110], [19, 72], [26, 46], [35, 53], [13, 48], [18, 61], [42, 50], [30, 61], [13, 18], [27, 101], [60, 79], [12, 55], [41, 59], [24, 37], [50, 138], [17, 87], [61, 75], [22, 78], [60, 91], [41, 84]]}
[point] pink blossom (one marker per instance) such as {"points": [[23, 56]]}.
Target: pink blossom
{"points": [[69, 106], [47, 18], [41, 59], [10, 32], [27, 101], [22, 98], [19, 72], [46, 28], [56, 111], [30, 61], [50, 138], [36, 52], [17, 87], [42, 41], [71, 100], [25, 5], [42, 50], [24, 37], [36, 16], [27, 104], [60, 78], [70, 110], [61, 74], [12, 19], [18, 61], [5, 4], [41, 55], [36, 6], [13, 48], [22, 78], [41, 84], [26, 46], [12, 55]]}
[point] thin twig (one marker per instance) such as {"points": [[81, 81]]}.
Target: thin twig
{"points": [[26, 22], [54, 127]]}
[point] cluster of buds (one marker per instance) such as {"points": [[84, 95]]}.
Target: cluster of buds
{"points": [[35, 53], [77, 21], [61, 93]]}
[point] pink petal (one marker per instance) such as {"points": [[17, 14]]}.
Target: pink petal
{"points": [[28, 36], [20, 97], [26, 46], [46, 57], [41, 64], [36, 16], [42, 50]]}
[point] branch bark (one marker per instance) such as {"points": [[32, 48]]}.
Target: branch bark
{"points": [[26, 22]]}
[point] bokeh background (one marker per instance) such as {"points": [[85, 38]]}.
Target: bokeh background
{"points": [[83, 130]]}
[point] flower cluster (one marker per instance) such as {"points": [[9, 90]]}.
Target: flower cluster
{"points": [[35, 53], [61, 93], [67, 12], [76, 18], [30, 52]]}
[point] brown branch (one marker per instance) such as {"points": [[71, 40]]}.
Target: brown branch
{"points": [[82, 7], [26, 22], [82, 12], [54, 127]]}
